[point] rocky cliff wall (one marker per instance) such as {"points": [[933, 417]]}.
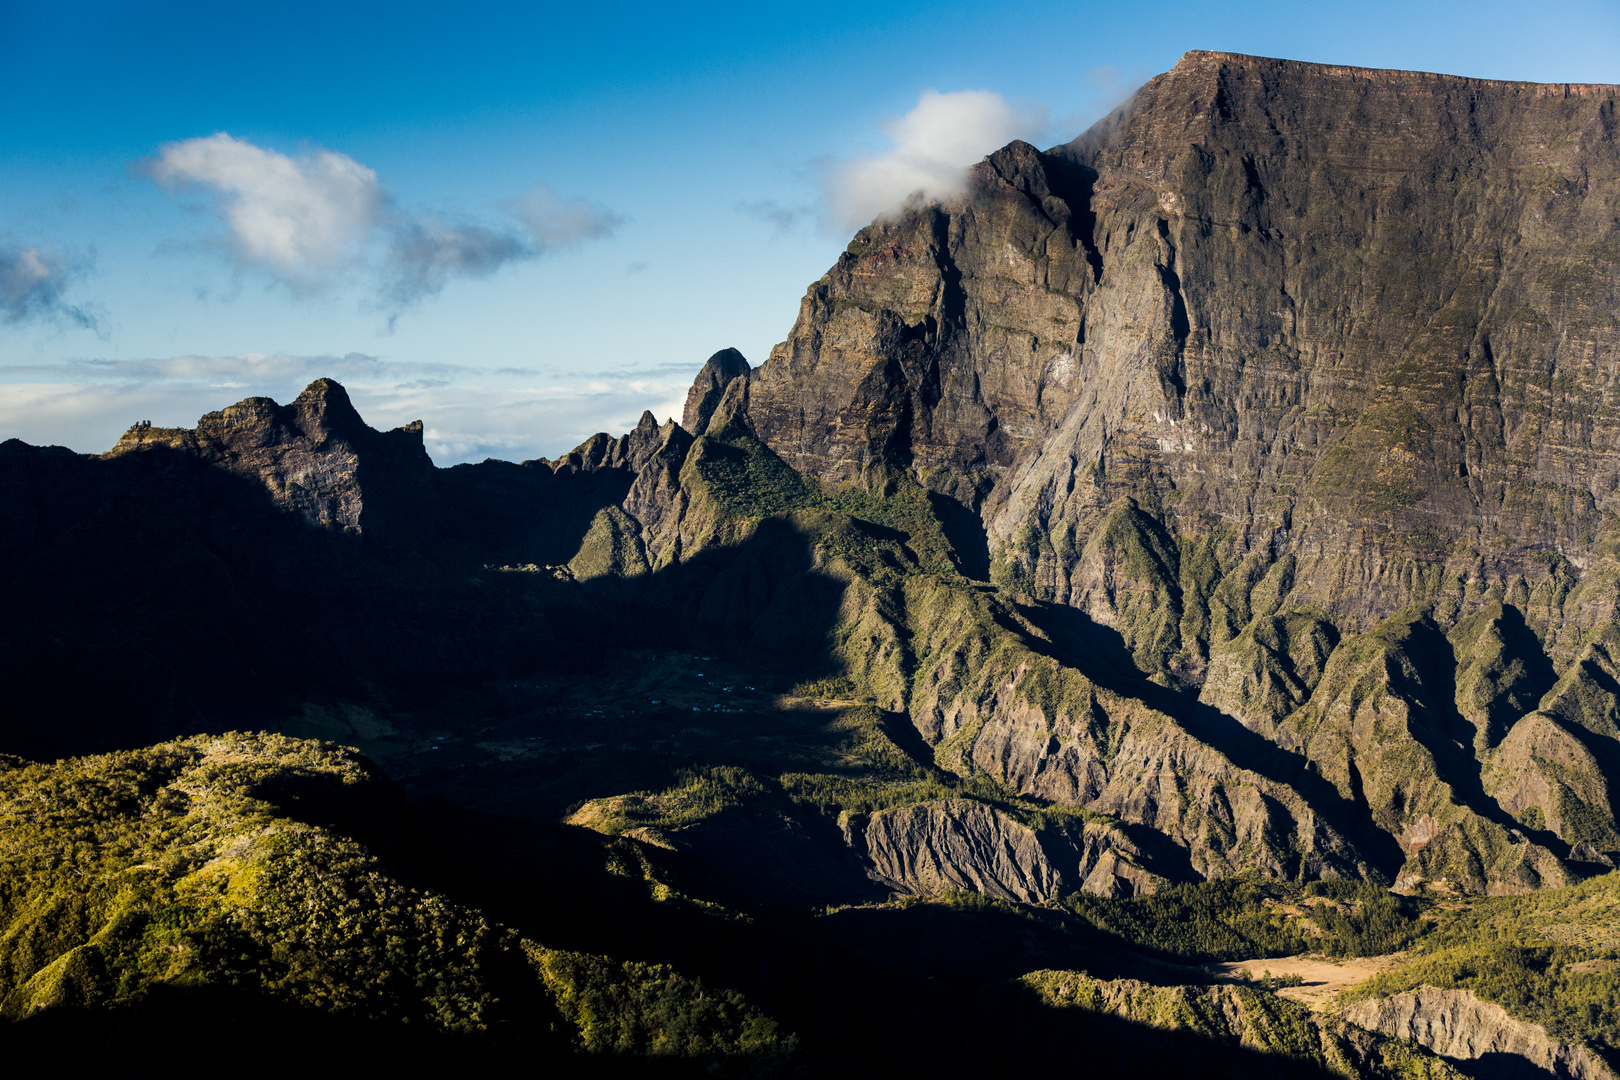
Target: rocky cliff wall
{"points": [[1295, 384], [1361, 318], [960, 846]]}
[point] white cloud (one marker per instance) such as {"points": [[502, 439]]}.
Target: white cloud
{"points": [[557, 223], [297, 218], [304, 219], [934, 144], [32, 281]]}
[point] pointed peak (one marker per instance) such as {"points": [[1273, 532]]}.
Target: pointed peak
{"points": [[324, 390], [324, 410], [719, 371], [729, 363]]}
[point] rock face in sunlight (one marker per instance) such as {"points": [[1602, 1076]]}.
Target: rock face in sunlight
{"points": [[1364, 319], [961, 846], [1273, 355], [314, 457], [1459, 1026]]}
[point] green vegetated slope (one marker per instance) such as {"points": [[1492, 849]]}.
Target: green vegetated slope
{"points": [[1413, 753], [1450, 743], [1241, 918], [1550, 957], [228, 891], [223, 873]]}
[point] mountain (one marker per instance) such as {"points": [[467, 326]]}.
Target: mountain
{"points": [[1294, 383], [1227, 495]]}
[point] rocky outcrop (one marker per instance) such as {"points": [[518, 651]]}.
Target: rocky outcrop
{"points": [[1233, 1016], [955, 846], [1477, 1035], [315, 458]]}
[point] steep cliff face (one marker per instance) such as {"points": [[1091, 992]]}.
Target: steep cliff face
{"points": [[1363, 318], [1268, 364]]}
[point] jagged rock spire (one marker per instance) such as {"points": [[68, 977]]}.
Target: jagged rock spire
{"points": [[710, 386]]}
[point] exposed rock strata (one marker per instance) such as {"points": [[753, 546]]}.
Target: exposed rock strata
{"points": [[1273, 353], [961, 846], [709, 388], [315, 457], [1348, 315], [1459, 1026]]}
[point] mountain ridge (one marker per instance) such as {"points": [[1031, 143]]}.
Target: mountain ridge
{"points": [[1230, 493]]}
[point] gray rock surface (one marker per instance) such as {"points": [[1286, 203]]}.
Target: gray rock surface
{"points": [[1459, 1026], [957, 845], [709, 388], [1273, 354], [315, 457]]}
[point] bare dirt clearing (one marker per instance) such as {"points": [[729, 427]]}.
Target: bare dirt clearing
{"points": [[1324, 976]]}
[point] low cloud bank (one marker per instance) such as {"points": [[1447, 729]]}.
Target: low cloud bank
{"points": [[468, 413]]}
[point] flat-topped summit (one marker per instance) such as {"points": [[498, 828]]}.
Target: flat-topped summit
{"points": [[1200, 60]]}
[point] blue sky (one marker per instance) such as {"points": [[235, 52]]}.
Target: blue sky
{"points": [[525, 223]]}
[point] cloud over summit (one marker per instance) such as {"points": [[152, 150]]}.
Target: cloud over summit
{"points": [[934, 144]]}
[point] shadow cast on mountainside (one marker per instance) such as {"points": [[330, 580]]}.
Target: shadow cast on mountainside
{"points": [[499, 512], [152, 594], [1018, 1028], [253, 1034], [1441, 729], [1101, 655], [965, 532], [1500, 1065], [912, 989], [761, 600]]}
